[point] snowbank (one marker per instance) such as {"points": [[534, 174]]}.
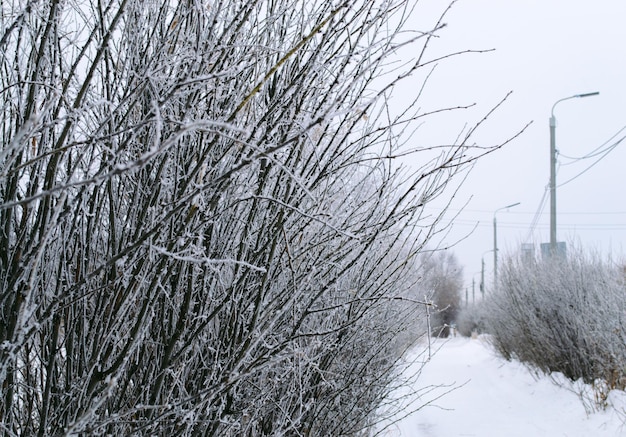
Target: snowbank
{"points": [[488, 396]]}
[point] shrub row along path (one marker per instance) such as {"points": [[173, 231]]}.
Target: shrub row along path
{"points": [[495, 397]]}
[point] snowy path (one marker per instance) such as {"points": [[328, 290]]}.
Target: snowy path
{"points": [[499, 398]]}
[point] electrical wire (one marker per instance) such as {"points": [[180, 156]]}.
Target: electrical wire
{"points": [[601, 151], [563, 226], [542, 205], [490, 212], [595, 152], [605, 153]]}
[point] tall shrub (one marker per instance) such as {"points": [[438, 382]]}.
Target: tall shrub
{"points": [[203, 231], [564, 315]]}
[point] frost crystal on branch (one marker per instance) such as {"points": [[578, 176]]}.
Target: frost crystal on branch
{"points": [[204, 230]]}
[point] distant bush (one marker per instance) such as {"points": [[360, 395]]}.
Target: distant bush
{"points": [[563, 315], [472, 319], [444, 278]]}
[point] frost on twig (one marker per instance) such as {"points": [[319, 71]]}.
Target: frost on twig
{"points": [[204, 226]]}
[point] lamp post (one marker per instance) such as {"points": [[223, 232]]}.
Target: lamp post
{"points": [[482, 273], [553, 169], [495, 243], [482, 277]]}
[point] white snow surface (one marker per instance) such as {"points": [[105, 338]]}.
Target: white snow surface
{"points": [[471, 391]]}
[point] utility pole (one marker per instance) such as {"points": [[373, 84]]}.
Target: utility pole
{"points": [[473, 291], [553, 183], [482, 278], [495, 243], [553, 169]]}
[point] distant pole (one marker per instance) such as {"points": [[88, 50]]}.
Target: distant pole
{"points": [[495, 251], [495, 243], [473, 290], [482, 278], [553, 169]]}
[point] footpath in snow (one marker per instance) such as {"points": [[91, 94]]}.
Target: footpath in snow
{"points": [[497, 398]]}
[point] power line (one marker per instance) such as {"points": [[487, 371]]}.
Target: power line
{"points": [[609, 150], [600, 151], [565, 226], [595, 152], [490, 212], [542, 204]]}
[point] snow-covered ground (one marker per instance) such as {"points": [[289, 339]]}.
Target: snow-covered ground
{"points": [[494, 397]]}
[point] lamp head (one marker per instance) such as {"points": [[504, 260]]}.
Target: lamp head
{"points": [[595, 93]]}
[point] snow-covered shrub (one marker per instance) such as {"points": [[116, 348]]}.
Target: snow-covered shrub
{"points": [[443, 278], [203, 227], [563, 315], [472, 320]]}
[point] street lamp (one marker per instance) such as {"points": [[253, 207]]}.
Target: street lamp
{"points": [[553, 169], [482, 274], [495, 243]]}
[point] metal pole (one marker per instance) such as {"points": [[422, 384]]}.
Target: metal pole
{"points": [[495, 252], [482, 279], [552, 185], [473, 289], [495, 243], [553, 169], [428, 304]]}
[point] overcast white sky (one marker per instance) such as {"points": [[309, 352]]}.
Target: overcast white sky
{"points": [[545, 50]]}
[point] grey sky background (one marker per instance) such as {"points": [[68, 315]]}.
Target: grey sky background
{"points": [[544, 51]]}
